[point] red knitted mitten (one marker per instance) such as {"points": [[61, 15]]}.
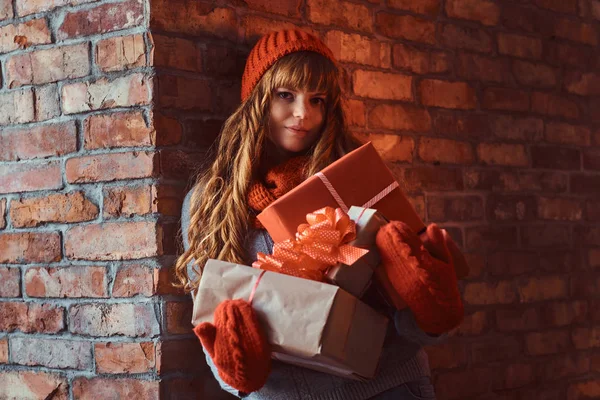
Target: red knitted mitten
{"points": [[237, 345], [426, 283]]}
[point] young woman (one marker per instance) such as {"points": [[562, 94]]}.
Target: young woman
{"points": [[289, 126]]}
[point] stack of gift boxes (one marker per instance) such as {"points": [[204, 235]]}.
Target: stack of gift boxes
{"points": [[323, 262]]}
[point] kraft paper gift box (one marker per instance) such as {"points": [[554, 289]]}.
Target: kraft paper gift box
{"points": [[308, 323], [358, 178]]}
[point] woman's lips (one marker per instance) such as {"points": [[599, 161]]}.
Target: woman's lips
{"points": [[299, 132]]}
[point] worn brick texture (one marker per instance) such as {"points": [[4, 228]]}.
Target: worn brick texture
{"points": [[487, 111]]}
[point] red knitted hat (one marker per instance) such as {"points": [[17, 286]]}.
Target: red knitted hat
{"points": [[274, 46]]}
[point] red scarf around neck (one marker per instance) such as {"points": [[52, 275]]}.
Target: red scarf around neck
{"points": [[278, 181]]}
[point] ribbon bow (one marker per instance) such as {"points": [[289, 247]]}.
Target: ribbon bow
{"points": [[319, 245]]}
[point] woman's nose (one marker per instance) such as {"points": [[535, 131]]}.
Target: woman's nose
{"points": [[300, 109]]}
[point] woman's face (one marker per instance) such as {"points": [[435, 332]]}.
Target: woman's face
{"points": [[296, 119]]}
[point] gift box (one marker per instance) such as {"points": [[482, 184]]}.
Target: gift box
{"points": [[311, 324], [360, 178]]}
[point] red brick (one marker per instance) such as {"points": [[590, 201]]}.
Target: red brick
{"points": [[254, 27], [48, 65], [480, 68], [567, 54], [419, 61], [434, 150], [134, 320], [559, 260], [289, 8], [424, 178], [586, 338], [484, 11], [545, 236], [51, 353], [341, 13], [72, 281], [358, 49], [185, 93], [104, 18], [587, 235], [46, 103], [427, 7], [519, 46], [164, 279], [476, 263], [2, 213], [127, 129], [38, 142], [119, 358], [194, 18], [576, 31], [502, 154], [591, 159], [168, 131], [589, 389], [126, 201], [566, 365], [549, 342], [462, 37], [121, 52], [36, 31], [496, 349], [122, 388], [3, 352], [555, 157], [467, 208], [31, 318], [354, 111], [473, 324], [382, 85], [558, 314], [132, 280], [180, 355], [511, 208], [490, 237], [35, 6], [179, 317], [113, 241], [592, 210], [463, 384], [30, 385], [29, 247], [505, 99], [583, 83], [167, 199], [6, 9], [586, 286], [17, 107], [513, 182], [584, 184], [399, 117], [468, 126], [447, 94], [568, 6], [537, 75], [126, 91], [514, 128], [66, 208], [479, 293], [594, 9], [406, 27], [517, 375], [28, 177], [10, 281], [542, 288], [177, 53], [560, 209], [391, 148], [517, 319], [553, 105], [224, 61], [109, 167], [447, 355]]}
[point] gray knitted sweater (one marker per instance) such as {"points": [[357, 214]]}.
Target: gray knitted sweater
{"points": [[403, 358]]}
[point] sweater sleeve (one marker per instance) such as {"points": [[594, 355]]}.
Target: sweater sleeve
{"points": [[407, 328], [185, 224]]}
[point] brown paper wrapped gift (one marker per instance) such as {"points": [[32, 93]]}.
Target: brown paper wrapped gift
{"points": [[357, 177], [310, 324]]}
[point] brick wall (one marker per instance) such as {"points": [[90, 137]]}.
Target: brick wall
{"points": [[487, 111]]}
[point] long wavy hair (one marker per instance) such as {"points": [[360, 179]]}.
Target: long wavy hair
{"points": [[219, 213]]}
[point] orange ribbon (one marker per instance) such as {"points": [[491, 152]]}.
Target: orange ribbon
{"points": [[319, 245]]}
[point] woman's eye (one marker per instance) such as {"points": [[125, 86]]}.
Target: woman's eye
{"points": [[285, 95], [318, 100]]}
